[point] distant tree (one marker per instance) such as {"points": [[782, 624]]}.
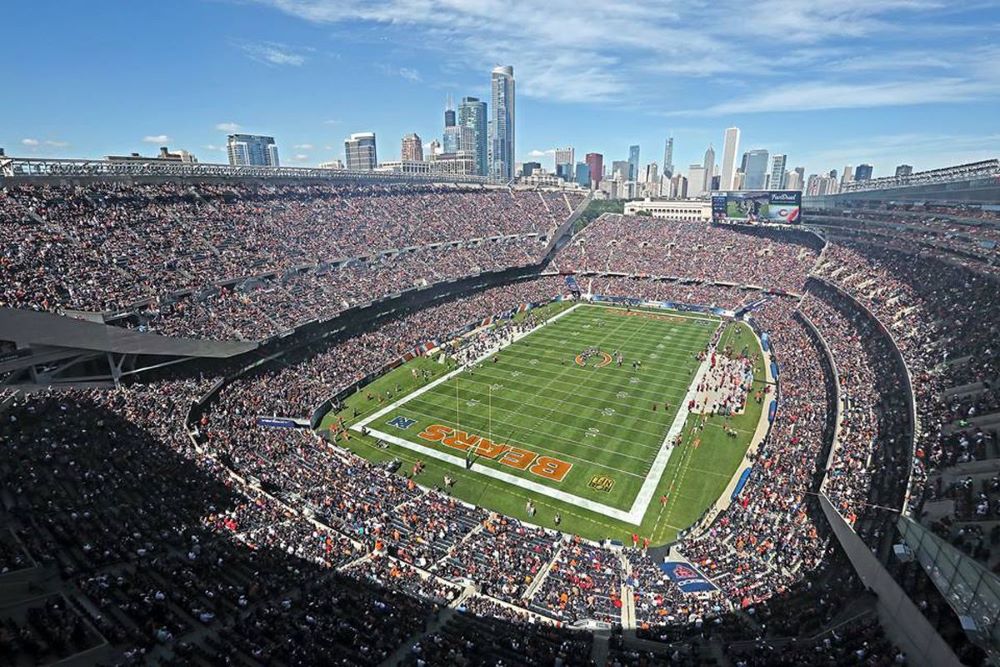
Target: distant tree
{"points": [[595, 209]]}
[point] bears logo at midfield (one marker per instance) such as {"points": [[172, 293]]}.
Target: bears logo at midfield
{"points": [[602, 483]]}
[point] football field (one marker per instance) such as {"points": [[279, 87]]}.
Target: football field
{"points": [[585, 417]]}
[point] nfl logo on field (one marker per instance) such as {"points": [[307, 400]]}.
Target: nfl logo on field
{"points": [[602, 483], [402, 422]]}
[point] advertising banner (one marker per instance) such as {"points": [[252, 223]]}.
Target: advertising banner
{"points": [[276, 422], [744, 476], [758, 207], [687, 578]]}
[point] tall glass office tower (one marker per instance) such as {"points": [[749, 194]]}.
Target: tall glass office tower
{"points": [[472, 114], [501, 129]]}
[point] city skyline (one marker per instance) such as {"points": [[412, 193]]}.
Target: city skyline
{"points": [[876, 100]]}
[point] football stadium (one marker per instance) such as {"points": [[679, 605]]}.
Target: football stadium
{"points": [[483, 405], [587, 437]]}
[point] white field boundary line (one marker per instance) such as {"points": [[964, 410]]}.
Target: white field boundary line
{"points": [[447, 376], [635, 514], [645, 495], [652, 311]]}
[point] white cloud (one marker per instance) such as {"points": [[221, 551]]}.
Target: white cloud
{"points": [[300, 157], [815, 96], [228, 127], [332, 121], [36, 143], [539, 153], [593, 50], [303, 147], [213, 147], [407, 73], [274, 53], [156, 139]]}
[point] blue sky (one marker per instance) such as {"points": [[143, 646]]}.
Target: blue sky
{"points": [[829, 82]]}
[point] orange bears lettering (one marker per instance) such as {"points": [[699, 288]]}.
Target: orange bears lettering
{"points": [[513, 457]]}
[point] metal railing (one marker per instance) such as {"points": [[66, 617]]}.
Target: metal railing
{"points": [[962, 172], [15, 167]]}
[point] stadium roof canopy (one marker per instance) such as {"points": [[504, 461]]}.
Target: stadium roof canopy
{"points": [[28, 327], [51, 349]]}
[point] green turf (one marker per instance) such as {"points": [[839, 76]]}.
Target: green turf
{"points": [[544, 402]]}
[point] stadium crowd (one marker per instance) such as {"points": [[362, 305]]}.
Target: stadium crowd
{"points": [[873, 410], [767, 538], [247, 261], [943, 318], [273, 545], [645, 246]]}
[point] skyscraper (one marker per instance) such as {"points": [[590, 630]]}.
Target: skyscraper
{"points": [[709, 165], [863, 172], [564, 163], [668, 158], [472, 114], [582, 174], [729, 149], [633, 163], [449, 112], [848, 175], [650, 173], [252, 150], [501, 127], [528, 168], [756, 168], [696, 180], [564, 156], [793, 181], [620, 170], [595, 161], [359, 151], [678, 187], [904, 170], [650, 178], [412, 149], [778, 163], [460, 139]]}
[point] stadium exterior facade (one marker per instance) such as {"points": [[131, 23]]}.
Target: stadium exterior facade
{"points": [[967, 183]]}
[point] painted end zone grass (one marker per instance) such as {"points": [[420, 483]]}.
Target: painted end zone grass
{"points": [[598, 421]]}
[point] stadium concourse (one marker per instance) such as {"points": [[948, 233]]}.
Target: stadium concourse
{"points": [[157, 521]]}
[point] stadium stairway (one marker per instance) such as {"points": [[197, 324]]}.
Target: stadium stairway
{"points": [[544, 573], [433, 625]]}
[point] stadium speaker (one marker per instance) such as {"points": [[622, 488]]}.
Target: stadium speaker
{"points": [[903, 553]]}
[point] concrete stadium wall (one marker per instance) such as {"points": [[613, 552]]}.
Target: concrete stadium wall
{"points": [[903, 621]]}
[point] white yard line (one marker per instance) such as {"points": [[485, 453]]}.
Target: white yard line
{"points": [[633, 516]]}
